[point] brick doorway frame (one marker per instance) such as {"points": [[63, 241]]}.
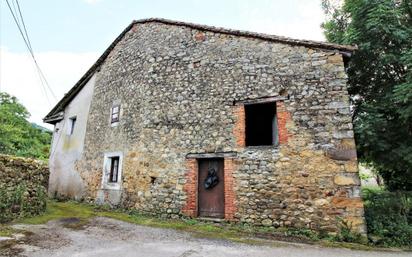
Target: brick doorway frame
{"points": [[191, 188]]}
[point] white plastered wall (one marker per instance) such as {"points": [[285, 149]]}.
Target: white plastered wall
{"points": [[67, 149]]}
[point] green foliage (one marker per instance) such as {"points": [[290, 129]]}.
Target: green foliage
{"points": [[347, 234], [11, 202], [37, 204], [307, 233], [191, 222], [380, 81], [389, 217], [18, 203], [61, 210], [335, 29], [17, 136], [403, 92], [364, 176]]}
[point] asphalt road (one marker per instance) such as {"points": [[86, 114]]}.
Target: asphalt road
{"points": [[107, 237]]}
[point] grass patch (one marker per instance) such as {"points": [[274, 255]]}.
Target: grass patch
{"points": [[353, 246], [64, 211], [59, 210], [76, 215], [7, 231]]}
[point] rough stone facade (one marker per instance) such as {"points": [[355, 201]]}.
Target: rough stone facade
{"points": [[182, 93], [23, 187]]}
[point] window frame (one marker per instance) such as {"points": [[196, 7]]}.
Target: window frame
{"points": [[114, 169], [107, 182], [72, 125], [112, 113]]}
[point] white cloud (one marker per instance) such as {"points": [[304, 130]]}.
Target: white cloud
{"points": [[294, 18], [18, 77]]}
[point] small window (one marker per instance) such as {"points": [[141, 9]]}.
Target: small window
{"points": [[261, 124], [114, 169], [72, 123], [115, 114]]}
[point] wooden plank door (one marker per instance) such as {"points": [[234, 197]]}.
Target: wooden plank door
{"points": [[211, 195]]}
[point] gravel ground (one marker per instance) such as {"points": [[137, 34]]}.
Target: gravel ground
{"points": [[107, 237]]}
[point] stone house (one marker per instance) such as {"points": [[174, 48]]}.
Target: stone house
{"points": [[184, 119]]}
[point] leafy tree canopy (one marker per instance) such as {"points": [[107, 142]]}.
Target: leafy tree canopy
{"points": [[380, 81], [18, 136]]}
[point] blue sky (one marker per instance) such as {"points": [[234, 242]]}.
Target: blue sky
{"points": [[68, 35]]}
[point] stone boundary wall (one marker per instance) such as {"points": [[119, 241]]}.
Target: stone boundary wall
{"points": [[23, 187]]}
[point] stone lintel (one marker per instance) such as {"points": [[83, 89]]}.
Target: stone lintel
{"points": [[262, 100], [211, 155]]}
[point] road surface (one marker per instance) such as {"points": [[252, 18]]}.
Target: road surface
{"points": [[108, 237]]}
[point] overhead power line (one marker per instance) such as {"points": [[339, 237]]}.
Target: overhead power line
{"points": [[24, 25], [14, 8], [31, 50], [18, 19]]}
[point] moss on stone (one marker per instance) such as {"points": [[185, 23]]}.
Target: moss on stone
{"points": [[23, 187], [59, 210]]}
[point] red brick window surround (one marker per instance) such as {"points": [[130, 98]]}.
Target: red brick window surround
{"points": [[283, 117], [261, 124], [280, 117], [191, 188], [240, 125]]}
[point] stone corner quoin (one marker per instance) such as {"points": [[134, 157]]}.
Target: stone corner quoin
{"points": [[187, 95]]}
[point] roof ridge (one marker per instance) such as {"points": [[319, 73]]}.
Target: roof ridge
{"points": [[264, 36]]}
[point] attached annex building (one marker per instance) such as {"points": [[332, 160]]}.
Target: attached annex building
{"points": [[184, 119]]}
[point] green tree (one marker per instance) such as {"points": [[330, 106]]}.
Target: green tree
{"points": [[380, 81], [17, 135]]}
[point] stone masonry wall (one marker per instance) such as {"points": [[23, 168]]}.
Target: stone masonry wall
{"points": [[23, 187], [179, 90]]}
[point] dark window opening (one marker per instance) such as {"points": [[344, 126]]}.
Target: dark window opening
{"points": [[196, 64], [261, 124], [72, 124], [114, 169], [152, 180], [115, 114]]}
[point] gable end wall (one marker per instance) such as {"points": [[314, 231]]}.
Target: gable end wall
{"points": [[177, 87]]}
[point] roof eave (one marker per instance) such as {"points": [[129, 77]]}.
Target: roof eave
{"points": [[54, 118]]}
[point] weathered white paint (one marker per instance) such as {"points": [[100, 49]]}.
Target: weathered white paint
{"points": [[67, 148], [106, 171], [110, 192]]}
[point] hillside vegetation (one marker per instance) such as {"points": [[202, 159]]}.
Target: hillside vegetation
{"points": [[18, 136]]}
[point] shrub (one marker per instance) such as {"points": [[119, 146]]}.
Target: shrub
{"points": [[11, 202], [347, 234], [388, 217], [18, 203]]}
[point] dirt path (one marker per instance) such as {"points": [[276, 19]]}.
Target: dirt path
{"points": [[103, 237]]}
